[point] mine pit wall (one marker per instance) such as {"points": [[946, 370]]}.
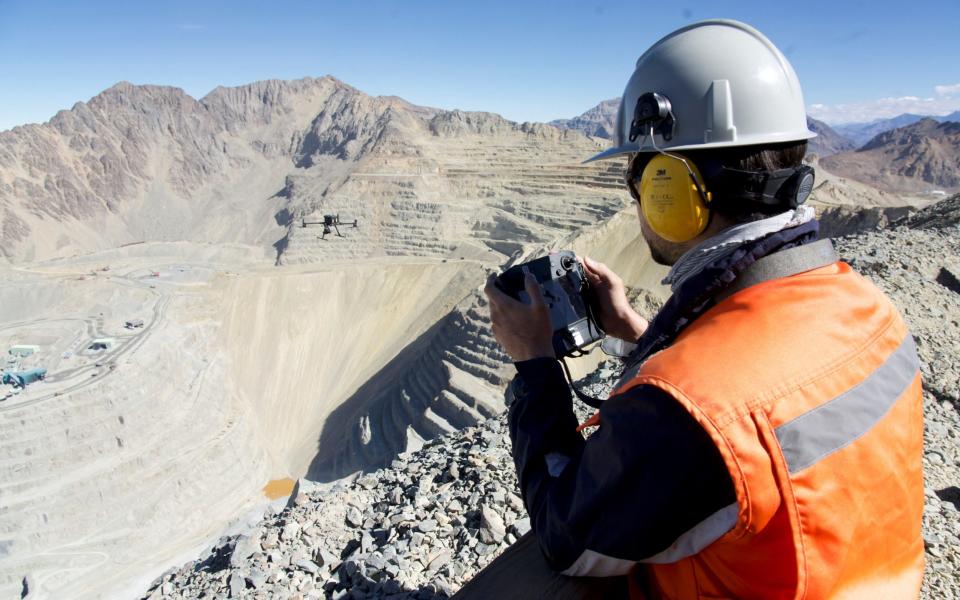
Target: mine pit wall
{"points": [[453, 375], [346, 365], [300, 342]]}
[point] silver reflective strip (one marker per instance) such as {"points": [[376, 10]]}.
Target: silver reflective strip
{"points": [[702, 535], [822, 431], [593, 564]]}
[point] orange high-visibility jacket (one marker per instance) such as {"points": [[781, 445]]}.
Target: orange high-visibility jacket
{"points": [[810, 387]]}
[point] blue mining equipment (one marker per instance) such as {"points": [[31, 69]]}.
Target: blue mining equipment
{"points": [[24, 378]]}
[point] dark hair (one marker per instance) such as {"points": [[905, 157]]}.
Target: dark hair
{"points": [[768, 157]]}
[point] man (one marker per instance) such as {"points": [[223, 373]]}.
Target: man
{"points": [[765, 440]]}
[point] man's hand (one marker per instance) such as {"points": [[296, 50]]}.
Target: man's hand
{"points": [[617, 317], [524, 330]]}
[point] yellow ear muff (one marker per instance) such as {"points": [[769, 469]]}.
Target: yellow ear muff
{"points": [[673, 198]]}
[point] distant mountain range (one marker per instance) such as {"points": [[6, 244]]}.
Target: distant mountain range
{"points": [[861, 133], [239, 165], [828, 140], [917, 158], [145, 162], [245, 164]]}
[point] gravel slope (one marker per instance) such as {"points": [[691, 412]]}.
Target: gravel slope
{"points": [[918, 266], [428, 522]]}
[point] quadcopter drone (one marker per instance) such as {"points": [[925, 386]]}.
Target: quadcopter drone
{"points": [[330, 224]]}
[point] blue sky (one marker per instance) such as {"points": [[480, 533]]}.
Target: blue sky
{"points": [[524, 60]]}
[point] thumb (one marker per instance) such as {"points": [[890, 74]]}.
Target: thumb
{"points": [[590, 270], [599, 270], [532, 286]]}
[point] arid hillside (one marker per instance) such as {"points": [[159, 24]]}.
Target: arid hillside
{"points": [[828, 141], [921, 157], [143, 163], [599, 121]]}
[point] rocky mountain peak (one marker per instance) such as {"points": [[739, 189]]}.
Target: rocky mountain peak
{"points": [[828, 141], [915, 133], [922, 156], [143, 97], [458, 122], [599, 121], [158, 164]]}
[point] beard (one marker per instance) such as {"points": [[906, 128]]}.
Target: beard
{"points": [[659, 257], [661, 251]]}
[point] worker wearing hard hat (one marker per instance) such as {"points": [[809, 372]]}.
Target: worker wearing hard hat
{"points": [[765, 438]]}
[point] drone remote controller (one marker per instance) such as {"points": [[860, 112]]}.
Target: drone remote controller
{"points": [[566, 293]]}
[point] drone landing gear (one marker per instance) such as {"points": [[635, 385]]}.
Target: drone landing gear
{"points": [[330, 224], [326, 230]]}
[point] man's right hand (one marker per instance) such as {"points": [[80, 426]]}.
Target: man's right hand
{"points": [[617, 317]]}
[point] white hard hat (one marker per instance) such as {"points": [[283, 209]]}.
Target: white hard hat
{"points": [[725, 84]]}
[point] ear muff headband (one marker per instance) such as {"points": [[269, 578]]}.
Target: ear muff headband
{"points": [[787, 188], [673, 198]]}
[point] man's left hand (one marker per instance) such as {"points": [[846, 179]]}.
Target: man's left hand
{"points": [[524, 330]]}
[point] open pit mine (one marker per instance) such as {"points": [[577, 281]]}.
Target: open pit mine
{"points": [[197, 339]]}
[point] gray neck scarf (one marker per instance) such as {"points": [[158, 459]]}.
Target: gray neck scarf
{"points": [[731, 238]]}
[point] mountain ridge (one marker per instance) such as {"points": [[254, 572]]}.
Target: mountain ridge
{"points": [[863, 132], [147, 162], [87, 161], [599, 121], [925, 153], [828, 140]]}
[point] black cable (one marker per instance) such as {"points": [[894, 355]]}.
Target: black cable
{"points": [[588, 400], [593, 325]]}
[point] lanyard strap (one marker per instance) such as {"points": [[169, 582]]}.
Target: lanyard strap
{"points": [[785, 263]]}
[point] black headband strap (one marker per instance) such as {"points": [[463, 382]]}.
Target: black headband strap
{"points": [[782, 187]]}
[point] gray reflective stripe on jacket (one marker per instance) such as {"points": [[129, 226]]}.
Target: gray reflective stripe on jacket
{"points": [[820, 432]]}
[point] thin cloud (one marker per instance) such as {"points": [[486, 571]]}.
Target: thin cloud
{"points": [[947, 90], [191, 27], [945, 101]]}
